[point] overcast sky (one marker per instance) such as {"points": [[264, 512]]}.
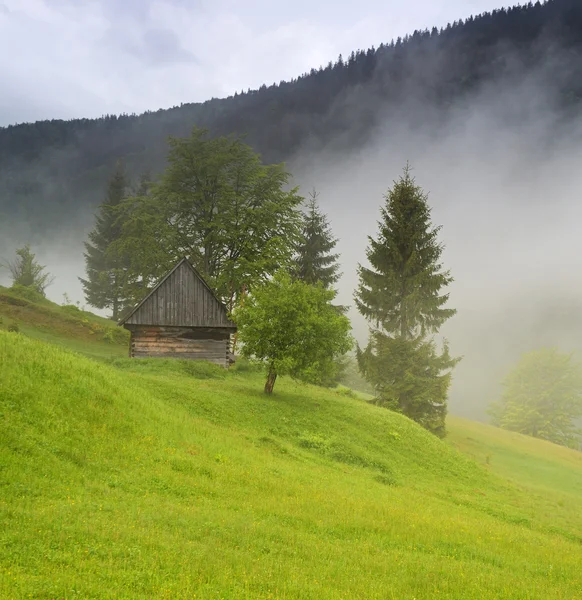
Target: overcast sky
{"points": [[85, 58]]}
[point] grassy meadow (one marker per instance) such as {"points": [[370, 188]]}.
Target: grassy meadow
{"points": [[65, 326], [171, 479]]}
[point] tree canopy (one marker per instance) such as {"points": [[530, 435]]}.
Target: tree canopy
{"points": [[27, 272], [106, 268], [292, 328], [542, 397], [400, 296], [217, 204], [315, 261]]}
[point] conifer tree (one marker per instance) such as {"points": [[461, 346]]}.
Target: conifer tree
{"points": [[27, 272], [314, 262], [400, 296], [105, 266]]}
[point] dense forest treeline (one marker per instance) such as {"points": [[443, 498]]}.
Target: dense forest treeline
{"points": [[51, 171]]}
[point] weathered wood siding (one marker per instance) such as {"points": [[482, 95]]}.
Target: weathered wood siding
{"points": [[180, 318], [180, 342], [182, 300]]}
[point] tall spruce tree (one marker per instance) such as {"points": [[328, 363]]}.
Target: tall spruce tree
{"points": [[315, 262], [106, 266], [400, 296]]}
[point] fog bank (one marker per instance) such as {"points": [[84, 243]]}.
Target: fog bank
{"points": [[502, 171], [503, 177]]}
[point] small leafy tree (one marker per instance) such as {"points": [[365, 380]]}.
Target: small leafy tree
{"points": [[105, 265], [400, 296], [27, 272], [542, 397], [316, 263], [293, 329]]}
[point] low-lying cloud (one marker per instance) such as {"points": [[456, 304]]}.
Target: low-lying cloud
{"points": [[503, 177], [502, 171]]}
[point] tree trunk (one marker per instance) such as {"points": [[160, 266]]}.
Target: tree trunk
{"points": [[270, 383], [403, 320], [115, 290], [115, 315], [241, 302], [404, 403]]}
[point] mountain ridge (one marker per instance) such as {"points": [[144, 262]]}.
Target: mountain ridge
{"points": [[52, 172]]}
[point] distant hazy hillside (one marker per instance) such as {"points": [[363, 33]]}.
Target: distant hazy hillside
{"points": [[52, 172]]}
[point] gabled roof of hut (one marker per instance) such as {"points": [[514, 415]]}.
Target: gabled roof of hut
{"points": [[180, 299]]}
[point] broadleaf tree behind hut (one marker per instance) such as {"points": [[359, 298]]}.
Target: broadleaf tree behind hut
{"points": [[400, 296], [232, 216]]}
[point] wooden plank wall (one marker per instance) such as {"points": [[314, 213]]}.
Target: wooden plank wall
{"points": [[182, 300], [179, 342]]}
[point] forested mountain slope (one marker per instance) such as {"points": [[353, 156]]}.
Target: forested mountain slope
{"points": [[53, 171]]}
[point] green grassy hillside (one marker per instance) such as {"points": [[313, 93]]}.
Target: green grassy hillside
{"points": [[66, 326], [550, 475], [156, 479]]}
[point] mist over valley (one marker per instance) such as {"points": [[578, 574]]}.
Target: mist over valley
{"points": [[318, 339], [491, 128]]}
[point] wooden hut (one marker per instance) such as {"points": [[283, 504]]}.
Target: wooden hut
{"points": [[180, 318]]}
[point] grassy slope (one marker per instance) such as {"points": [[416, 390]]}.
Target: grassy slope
{"points": [[550, 475], [65, 326], [157, 479]]}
